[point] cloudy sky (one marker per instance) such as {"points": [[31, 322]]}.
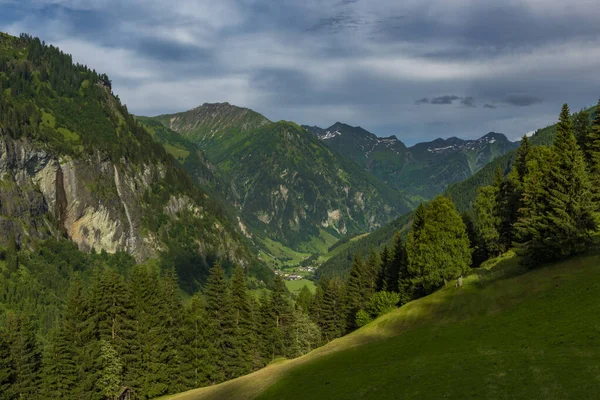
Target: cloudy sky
{"points": [[419, 69]]}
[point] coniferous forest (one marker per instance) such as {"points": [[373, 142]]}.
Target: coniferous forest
{"points": [[85, 324]]}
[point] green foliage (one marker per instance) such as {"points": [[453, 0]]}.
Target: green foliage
{"points": [[487, 219], [438, 248], [557, 216], [111, 371]]}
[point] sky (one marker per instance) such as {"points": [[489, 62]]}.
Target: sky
{"points": [[417, 69]]}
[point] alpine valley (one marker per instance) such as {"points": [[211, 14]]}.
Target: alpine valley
{"points": [[216, 254]]}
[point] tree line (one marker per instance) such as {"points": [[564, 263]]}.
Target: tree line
{"points": [[545, 207], [137, 332]]}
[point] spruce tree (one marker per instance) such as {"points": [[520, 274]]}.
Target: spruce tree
{"points": [[26, 357], [382, 275], [557, 218], [355, 289], [439, 250], [197, 344], [333, 319], [521, 159], [227, 352], [405, 284], [487, 220], [397, 274], [581, 130], [110, 374], [59, 371], [7, 369], [281, 313], [593, 156], [304, 299], [244, 324]]}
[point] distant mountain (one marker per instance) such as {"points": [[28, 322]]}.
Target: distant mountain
{"points": [[292, 187], [420, 171]]}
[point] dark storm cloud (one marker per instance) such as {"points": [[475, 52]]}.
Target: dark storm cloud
{"points": [[444, 99], [522, 100], [316, 62], [468, 101]]}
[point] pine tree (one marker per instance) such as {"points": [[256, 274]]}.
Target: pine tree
{"points": [[372, 268], [304, 299], [304, 335], [25, 356], [593, 156], [333, 309], [487, 222], [521, 159], [557, 218], [244, 324], [7, 369], [581, 130], [147, 372], [355, 291], [110, 374], [439, 250], [227, 352], [59, 371], [381, 277], [405, 285], [281, 314], [197, 344], [397, 274]]}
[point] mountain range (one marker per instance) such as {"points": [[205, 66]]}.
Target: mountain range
{"points": [[420, 171]]}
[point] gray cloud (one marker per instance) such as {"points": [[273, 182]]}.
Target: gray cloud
{"points": [[468, 101], [522, 100], [318, 61], [444, 99]]}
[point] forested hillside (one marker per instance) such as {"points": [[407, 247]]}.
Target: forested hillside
{"points": [[291, 186]]}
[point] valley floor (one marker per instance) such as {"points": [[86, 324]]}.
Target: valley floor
{"points": [[503, 335]]}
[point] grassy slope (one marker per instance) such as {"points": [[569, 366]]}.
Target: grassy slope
{"points": [[535, 335], [296, 286]]}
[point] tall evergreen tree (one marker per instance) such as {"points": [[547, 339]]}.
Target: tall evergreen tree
{"points": [[110, 374], [304, 299], [382, 276], [397, 264], [487, 222], [355, 290], [25, 355], [244, 323], [593, 156], [7, 370], [333, 320], [220, 311], [404, 284], [557, 218], [59, 371], [521, 159], [438, 251], [197, 344], [581, 130]]}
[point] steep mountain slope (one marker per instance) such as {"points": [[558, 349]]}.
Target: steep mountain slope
{"points": [[420, 171], [291, 186], [74, 162], [504, 334]]}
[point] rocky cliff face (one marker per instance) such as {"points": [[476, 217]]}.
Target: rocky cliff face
{"points": [[95, 202]]}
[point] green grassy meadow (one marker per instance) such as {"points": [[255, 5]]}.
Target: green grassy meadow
{"points": [[296, 286], [506, 334]]}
